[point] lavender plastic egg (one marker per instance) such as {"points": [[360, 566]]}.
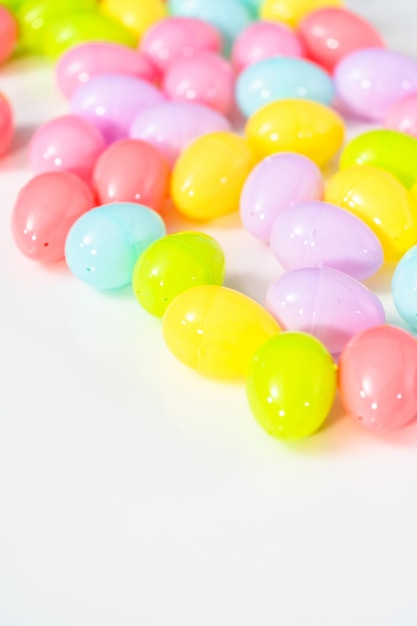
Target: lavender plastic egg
{"points": [[112, 101], [324, 302], [171, 126], [320, 233], [278, 182], [369, 81]]}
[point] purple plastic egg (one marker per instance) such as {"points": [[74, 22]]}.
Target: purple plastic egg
{"points": [[278, 182], [326, 303], [320, 233], [113, 101], [402, 116], [171, 126], [369, 81]]}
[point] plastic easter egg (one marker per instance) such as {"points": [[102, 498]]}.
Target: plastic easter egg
{"points": [[103, 246], [318, 233], [6, 125], [172, 126], [253, 7], [291, 385], [292, 11], [371, 193], [68, 143], [404, 287], [324, 302], [402, 115], [136, 15], [175, 38], [230, 20], [378, 378], [8, 33], [81, 63], [45, 209], [276, 183], [261, 40], [386, 149], [215, 330], [131, 170], [330, 33], [208, 177], [301, 126], [174, 264], [279, 78], [112, 102], [369, 81], [205, 78]]}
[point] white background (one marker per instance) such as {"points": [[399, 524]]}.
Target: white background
{"points": [[134, 492]]}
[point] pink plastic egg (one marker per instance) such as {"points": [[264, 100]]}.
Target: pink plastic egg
{"points": [[81, 63], [176, 38], [324, 302], [320, 233], [369, 81], [112, 101], [402, 116], [171, 126], [378, 378], [275, 184], [68, 143], [261, 40], [8, 33], [205, 78], [45, 210], [6, 125], [329, 34], [132, 171]]}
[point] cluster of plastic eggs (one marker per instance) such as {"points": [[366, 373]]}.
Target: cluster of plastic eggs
{"points": [[156, 93]]}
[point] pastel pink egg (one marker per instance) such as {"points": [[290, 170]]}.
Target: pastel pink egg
{"points": [[68, 143], [175, 38], [402, 116], [278, 182], [205, 78], [172, 126], [84, 61], [46, 208], [261, 40], [8, 33], [324, 302], [6, 125], [131, 170], [378, 378], [329, 34]]}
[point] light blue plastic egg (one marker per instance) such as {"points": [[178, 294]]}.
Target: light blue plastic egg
{"points": [[278, 78], [104, 244], [404, 287], [254, 6]]}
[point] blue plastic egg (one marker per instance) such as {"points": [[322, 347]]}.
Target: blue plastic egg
{"points": [[404, 287], [278, 78], [103, 245]]}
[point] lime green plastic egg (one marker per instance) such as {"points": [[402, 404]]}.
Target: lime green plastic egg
{"points": [[291, 385], [174, 264]]}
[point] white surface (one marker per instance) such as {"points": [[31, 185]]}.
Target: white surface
{"points": [[135, 493]]}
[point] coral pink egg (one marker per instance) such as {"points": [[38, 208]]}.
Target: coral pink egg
{"points": [[176, 38], [45, 210], [131, 170], [8, 33], [68, 143], [331, 33], [205, 78], [402, 116], [261, 40], [378, 378], [6, 125]]}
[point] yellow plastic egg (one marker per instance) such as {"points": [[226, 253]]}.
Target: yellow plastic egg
{"points": [[292, 11], [216, 330], [136, 15], [208, 177], [381, 201], [292, 125]]}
